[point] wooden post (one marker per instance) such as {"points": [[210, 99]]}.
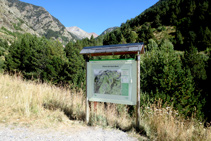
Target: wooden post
{"points": [[95, 106], [138, 92], [87, 101], [87, 110]]}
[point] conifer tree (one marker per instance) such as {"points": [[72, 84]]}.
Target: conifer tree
{"points": [[122, 41], [163, 76], [75, 68]]}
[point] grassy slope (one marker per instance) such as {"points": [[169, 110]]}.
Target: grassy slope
{"points": [[22, 102], [34, 103], [43, 105]]}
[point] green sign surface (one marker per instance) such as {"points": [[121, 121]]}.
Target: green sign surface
{"points": [[112, 81]]}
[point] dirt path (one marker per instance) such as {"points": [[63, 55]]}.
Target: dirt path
{"points": [[76, 133]]}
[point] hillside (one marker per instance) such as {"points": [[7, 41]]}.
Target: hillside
{"points": [[19, 17], [188, 18], [108, 30]]}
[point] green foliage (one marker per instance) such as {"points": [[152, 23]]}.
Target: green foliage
{"points": [[36, 58], [193, 25], [190, 17], [50, 33], [47, 60], [7, 31], [18, 25], [1, 65], [75, 69], [3, 49], [207, 89], [192, 59], [110, 39], [132, 37], [57, 34], [164, 77], [197, 64], [145, 33]]}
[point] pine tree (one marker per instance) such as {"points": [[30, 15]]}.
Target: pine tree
{"points": [[157, 21], [122, 41], [75, 68], [3, 49], [163, 76], [132, 37]]}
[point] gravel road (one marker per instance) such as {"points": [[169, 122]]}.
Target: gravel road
{"points": [[12, 133]]}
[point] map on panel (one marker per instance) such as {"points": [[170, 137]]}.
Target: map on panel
{"points": [[107, 82]]}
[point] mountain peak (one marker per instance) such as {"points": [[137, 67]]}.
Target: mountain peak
{"points": [[81, 34]]}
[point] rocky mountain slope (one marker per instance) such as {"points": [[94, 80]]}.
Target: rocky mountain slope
{"points": [[79, 33], [20, 17], [108, 30]]}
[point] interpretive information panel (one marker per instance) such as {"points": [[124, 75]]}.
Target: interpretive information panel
{"points": [[112, 81]]}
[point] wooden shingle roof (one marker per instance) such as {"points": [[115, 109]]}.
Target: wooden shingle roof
{"points": [[117, 49]]}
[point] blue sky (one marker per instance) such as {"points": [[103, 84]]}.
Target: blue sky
{"points": [[93, 15]]}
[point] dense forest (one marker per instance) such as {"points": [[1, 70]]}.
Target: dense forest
{"points": [[175, 68]]}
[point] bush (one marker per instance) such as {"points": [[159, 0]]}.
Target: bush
{"points": [[163, 77]]}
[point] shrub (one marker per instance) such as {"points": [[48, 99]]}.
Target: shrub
{"points": [[163, 76]]}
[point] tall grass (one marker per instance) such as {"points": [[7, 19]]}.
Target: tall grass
{"points": [[44, 104], [23, 102], [31, 103], [167, 124]]}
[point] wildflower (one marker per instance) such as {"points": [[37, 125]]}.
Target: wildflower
{"points": [[6, 97]]}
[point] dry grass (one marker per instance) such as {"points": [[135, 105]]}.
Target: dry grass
{"points": [[24, 102], [167, 124], [27, 102], [44, 105], [112, 115]]}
